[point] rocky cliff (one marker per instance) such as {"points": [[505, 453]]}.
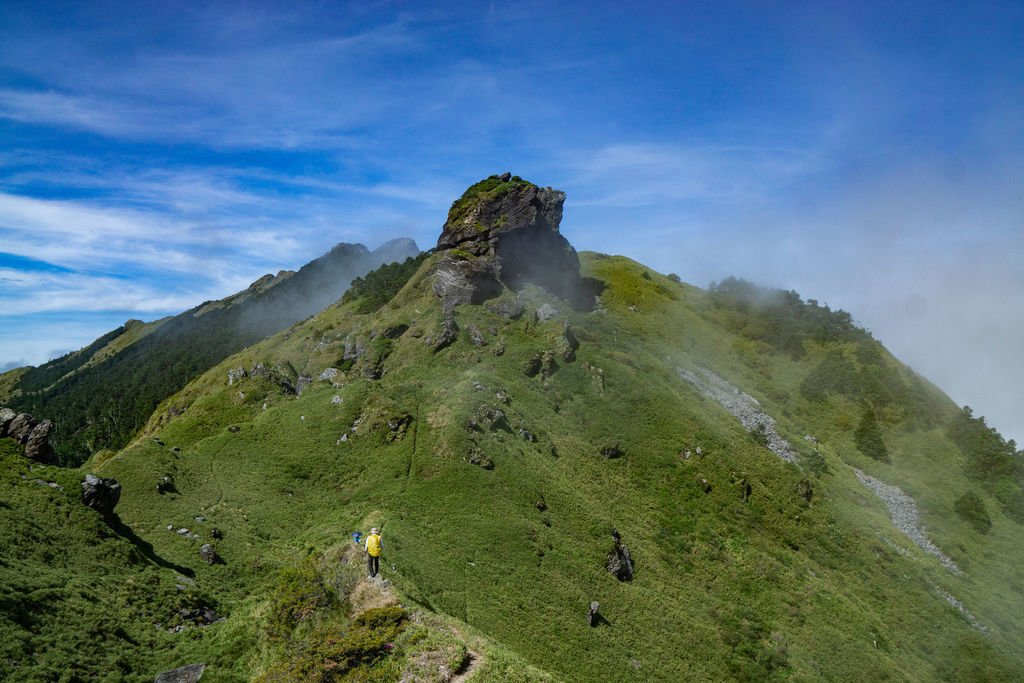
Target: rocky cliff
{"points": [[503, 231]]}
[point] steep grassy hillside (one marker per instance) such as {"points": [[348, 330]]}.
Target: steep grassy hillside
{"points": [[499, 465], [100, 396]]}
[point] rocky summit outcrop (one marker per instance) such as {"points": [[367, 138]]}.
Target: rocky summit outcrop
{"points": [[503, 231]]}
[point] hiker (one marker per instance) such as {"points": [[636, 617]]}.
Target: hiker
{"points": [[373, 546]]}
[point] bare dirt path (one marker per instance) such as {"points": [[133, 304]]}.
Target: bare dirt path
{"points": [[472, 663]]}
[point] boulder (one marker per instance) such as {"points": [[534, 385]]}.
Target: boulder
{"points": [[611, 450], [546, 312], [806, 489], [165, 484], [510, 308], [6, 417], [395, 331], [328, 375], [37, 447], [449, 333], [487, 418], [101, 494], [301, 383], [592, 613], [533, 365], [476, 336], [619, 561], [184, 674], [200, 616], [236, 375], [20, 428], [398, 425], [476, 457], [548, 365], [567, 343], [209, 554]]}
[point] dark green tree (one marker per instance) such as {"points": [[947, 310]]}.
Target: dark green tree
{"points": [[868, 436], [971, 508]]}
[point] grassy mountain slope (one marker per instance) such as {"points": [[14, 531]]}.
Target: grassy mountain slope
{"points": [[100, 396], [502, 523]]}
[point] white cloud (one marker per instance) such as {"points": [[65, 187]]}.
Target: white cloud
{"points": [[647, 174]]}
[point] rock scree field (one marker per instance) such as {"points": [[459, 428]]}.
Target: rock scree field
{"points": [[582, 470]]}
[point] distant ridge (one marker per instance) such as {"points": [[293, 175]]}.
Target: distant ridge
{"points": [[100, 396]]}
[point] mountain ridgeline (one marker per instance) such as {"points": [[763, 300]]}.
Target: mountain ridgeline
{"points": [[99, 400], [582, 470]]}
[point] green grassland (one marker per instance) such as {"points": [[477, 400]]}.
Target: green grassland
{"points": [[497, 506]]}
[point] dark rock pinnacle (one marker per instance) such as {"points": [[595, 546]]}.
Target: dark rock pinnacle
{"points": [[504, 232]]}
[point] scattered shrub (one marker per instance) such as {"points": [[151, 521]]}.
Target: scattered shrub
{"points": [[301, 593], [971, 508]]}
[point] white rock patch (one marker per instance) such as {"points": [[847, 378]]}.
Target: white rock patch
{"points": [[743, 407], [903, 512]]}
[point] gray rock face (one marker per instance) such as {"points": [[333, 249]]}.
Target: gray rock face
{"points": [[464, 279], [21, 427], [301, 383], [354, 349], [236, 375], [185, 674], [504, 231], [37, 447], [101, 494], [449, 333]]}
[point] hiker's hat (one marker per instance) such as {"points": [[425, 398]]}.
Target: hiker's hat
{"points": [[373, 530]]}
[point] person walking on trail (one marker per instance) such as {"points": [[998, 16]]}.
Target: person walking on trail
{"points": [[373, 546]]}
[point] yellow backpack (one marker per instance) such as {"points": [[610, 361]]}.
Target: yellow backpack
{"points": [[373, 545]]}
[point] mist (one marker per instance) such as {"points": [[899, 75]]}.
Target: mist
{"points": [[924, 257]]}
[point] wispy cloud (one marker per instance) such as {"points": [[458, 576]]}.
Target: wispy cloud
{"points": [[648, 174]]}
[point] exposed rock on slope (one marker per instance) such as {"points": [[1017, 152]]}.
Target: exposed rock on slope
{"points": [[101, 493], [744, 408], [504, 231], [29, 432], [904, 516]]}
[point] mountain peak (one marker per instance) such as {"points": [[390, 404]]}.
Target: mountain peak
{"points": [[503, 231]]}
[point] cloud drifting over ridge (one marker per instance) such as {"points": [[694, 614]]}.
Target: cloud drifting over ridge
{"points": [[846, 153]]}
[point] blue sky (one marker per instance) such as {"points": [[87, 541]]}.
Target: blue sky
{"points": [[870, 155]]}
